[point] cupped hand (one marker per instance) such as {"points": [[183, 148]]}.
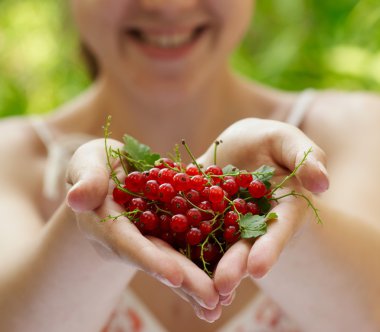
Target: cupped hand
{"points": [[90, 197], [249, 144]]}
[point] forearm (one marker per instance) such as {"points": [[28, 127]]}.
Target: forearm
{"points": [[62, 284], [327, 278]]}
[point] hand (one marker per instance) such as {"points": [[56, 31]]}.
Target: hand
{"points": [[248, 144], [90, 197]]}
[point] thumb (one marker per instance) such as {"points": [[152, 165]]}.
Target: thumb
{"points": [[88, 174]]}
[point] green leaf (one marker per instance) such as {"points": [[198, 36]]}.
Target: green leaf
{"points": [[263, 204], [264, 173], [252, 226], [140, 153], [230, 169]]}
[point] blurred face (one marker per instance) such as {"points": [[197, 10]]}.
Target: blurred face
{"points": [[158, 45]]}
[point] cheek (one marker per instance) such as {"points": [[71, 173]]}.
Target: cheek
{"points": [[233, 19], [99, 22]]}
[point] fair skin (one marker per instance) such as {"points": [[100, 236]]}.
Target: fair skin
{"points": [[330, 271]]}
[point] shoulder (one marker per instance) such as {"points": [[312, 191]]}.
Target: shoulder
{"points": [[20, 147], [337, 118]]}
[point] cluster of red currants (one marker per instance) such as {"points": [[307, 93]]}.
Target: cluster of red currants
{"points": [[197, 211]]}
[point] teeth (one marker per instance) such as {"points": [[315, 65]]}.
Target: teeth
{"points": [[168, 41]]}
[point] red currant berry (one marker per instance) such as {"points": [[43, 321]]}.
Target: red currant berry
{"points": [[193, 236], [215, 172], [166, 192], [148, 221], [121, 197], [230, 186], [193, 196], [211, 252], [231, 234], [179, 223], [164, 163], [167, 236], [257, 189], [240, 205], [164, 222], [231, 219], [198, 182], [253, 208], [206, 210], [138, 204], [165, 175], [216, 194], [205, 227], [243, 179], [219, 206], [178, 205], [134, 181], [181, 181], [191, 170], [153, 173], [150, 189], [194, 216], [205, 192]]}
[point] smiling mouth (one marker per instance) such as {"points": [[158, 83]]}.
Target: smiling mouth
{"points": [[169, 40]]}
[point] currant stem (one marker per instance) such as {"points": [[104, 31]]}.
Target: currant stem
{"points": [[215, 149], [293, 173]]}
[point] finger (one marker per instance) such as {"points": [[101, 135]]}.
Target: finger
{"points": [[209, 315], [89, 175], [289, 147], [267, 248], [196, 283], [124, 240], [227, 279]]}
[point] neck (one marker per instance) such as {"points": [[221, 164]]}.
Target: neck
{"points": [[195, 115]]}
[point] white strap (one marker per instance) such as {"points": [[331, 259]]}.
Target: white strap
{"points": [[300, 107]]}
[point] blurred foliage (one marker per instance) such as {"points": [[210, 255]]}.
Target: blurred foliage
{"points": [[292, 44]]}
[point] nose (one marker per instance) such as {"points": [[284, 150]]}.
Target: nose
{"points": [[167, 5]]}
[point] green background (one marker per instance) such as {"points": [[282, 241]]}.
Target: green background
{"points": [[292, 44]]}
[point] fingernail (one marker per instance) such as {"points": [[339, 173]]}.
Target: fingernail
{"points": [[199, 312], [226, 300], [322, 168], [166, 281]]}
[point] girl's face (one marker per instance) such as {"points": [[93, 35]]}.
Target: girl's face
{"points": [[161, 44]]}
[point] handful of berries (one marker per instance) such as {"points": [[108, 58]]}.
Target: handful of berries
{"points": [[200, 212]]}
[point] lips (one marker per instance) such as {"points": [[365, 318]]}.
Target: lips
{"points": [[166, 42]]}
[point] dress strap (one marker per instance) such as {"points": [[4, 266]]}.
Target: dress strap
{"points": [[301, 106]]}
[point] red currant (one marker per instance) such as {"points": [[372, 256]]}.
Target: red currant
{"points": [[231, 234], [230, 186], [150, 189], [134, 181], [166, 192], [240, 205], [231, 219], [253, 208], [179, 223], [198, 182], [181, 181], [192, 169], [178, 205], [194, 216], [243, 179], [193, 236], [148, 221], [215, 172], [216, 194], [193, 196], [257, 189], [164, 163], [121, 197]]}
